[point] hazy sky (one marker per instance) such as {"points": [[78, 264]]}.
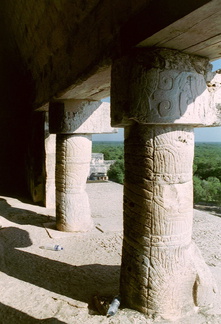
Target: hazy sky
{"points": [[208, 134]]}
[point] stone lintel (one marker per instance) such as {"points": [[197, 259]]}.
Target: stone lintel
{"points": [[162, 86], [80, 117]]}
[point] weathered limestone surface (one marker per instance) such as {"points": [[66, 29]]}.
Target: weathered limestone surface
{"points": [[80, 117], [50, 162], [73, 59], [72, 167], [80, 39], [214, 88], [159, 96], [161, 273], [163, 92], [74, 121]]}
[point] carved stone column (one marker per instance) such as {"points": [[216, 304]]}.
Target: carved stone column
{"points": [[74, 121], [159, 96], [73, 156]]}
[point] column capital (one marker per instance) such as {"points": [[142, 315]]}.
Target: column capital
{"points": [[161, 86], [79, 117]]}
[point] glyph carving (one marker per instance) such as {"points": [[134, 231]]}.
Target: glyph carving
{"points": [[162, 87], [68, 119], [160, 273], [73, 155], [159, 95], [174, 97]]}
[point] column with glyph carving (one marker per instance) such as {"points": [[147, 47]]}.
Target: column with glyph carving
{"points": [[159, 96], [74, 122]]}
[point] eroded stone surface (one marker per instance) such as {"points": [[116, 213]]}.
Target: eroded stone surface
{"points": [[161, 86], [163, 95], [50, 162], [71, 120], [73, 156], [157, 272], [80, 117]]}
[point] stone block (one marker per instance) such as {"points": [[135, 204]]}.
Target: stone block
{"points": [[161, 86], [80, 117]]}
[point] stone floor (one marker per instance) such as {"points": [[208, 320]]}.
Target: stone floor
{"points": [[44, 286]]}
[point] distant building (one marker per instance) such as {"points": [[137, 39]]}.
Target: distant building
{"points": [[99, 167]]}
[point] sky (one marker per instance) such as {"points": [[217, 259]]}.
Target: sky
{"points": [[204, 134]]}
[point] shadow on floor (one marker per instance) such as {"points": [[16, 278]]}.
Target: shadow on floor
{"points": [[22, 216], [11, 315], [77, 282]]}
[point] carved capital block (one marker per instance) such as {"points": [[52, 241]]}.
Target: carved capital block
{"points": [[161, 86], [80, 117]]}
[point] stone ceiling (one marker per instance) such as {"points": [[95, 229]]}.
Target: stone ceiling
{"points": [[66, 47]]}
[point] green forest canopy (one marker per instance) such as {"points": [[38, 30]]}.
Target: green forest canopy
{"points": [[206, 168]]}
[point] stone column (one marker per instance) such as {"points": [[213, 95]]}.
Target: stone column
{"points": [[73, 156], [159, 96], [50, 162], [74, 121]]}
